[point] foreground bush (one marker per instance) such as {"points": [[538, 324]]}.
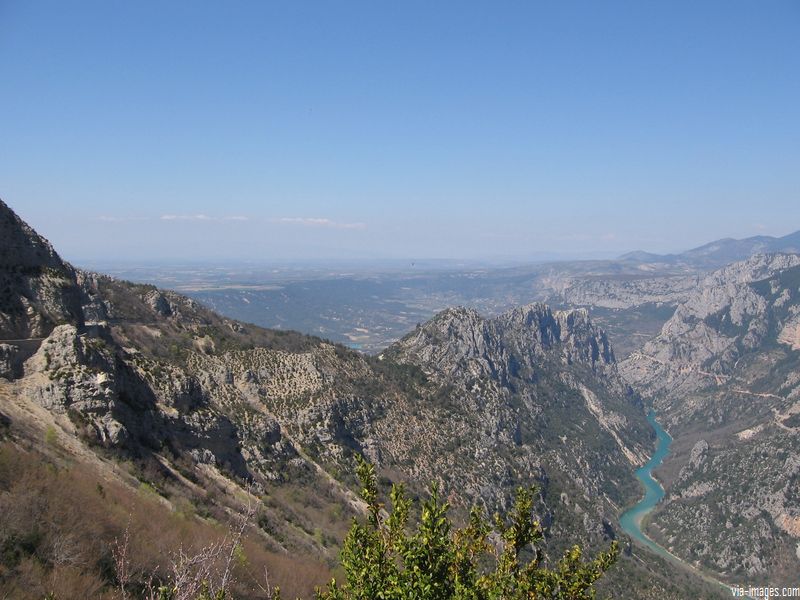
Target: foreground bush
{"points": [[437, 562]]}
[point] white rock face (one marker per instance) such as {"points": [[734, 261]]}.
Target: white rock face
{"points": [[627, 293], [710, 330], [699, 453], [459, 340], [790, 334], [158, 302]]}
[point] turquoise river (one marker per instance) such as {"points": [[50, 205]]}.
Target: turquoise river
{"points": [[631, 519]]}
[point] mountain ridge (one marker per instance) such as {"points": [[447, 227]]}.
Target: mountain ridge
{"points": [[723, 251]]}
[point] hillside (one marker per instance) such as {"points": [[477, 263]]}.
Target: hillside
{"points": [[161, 396]]}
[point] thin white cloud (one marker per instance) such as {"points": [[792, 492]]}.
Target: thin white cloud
{"points": [[319, 222]]}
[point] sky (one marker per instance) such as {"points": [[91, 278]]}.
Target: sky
{"points": [[302, 130]]}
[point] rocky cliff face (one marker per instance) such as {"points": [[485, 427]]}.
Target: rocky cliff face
{"points": [[725, 368], [631, 304], [480, 405], [629, 292], [732, 313], [39, 290], [460, 343], [539, 388]]}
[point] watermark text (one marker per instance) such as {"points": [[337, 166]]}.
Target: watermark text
{"points": [[751, 591]]}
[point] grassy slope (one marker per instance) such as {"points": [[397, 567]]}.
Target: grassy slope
{"points": [[62, 515]]}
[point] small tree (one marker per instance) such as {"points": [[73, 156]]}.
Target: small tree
{"points": [[437, 562]]}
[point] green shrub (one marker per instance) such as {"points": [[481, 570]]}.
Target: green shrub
{"points": [[437, 562], [50, 436]]}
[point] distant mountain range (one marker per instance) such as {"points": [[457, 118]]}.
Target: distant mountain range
{"points": [[722, 252]]}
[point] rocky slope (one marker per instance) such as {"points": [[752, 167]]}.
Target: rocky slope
{"points": [[189, 400], [537, 382], [723, 375], [733, 312], [629, 292], [631, 307]]}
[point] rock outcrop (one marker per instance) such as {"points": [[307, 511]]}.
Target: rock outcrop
{"points": [[628, 292], [39, 290], [9, 367], [459, 342]]}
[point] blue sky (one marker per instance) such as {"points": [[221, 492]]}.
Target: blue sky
{"points": [[304, 130]]}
